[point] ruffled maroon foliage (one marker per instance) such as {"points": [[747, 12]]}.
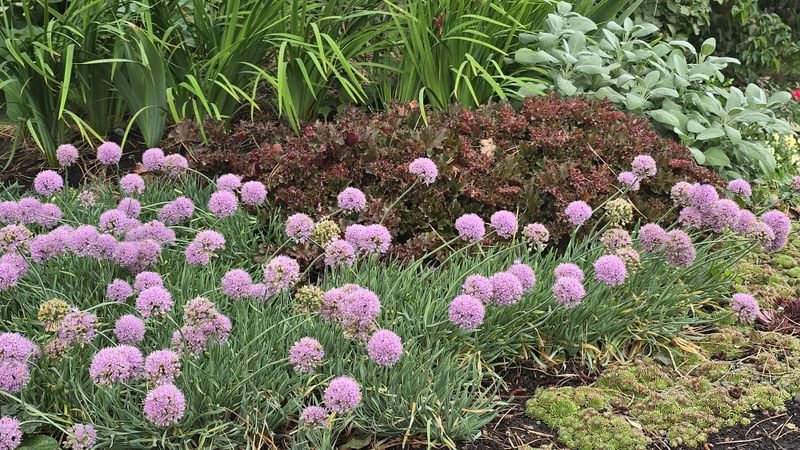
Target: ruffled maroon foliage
{"points": [[535, 159]]}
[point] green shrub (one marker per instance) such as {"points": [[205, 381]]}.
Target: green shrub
{"points": [[679, 88]]}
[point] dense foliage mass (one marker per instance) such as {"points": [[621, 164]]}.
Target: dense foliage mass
{"points": [[534, 160], [165, 329]]}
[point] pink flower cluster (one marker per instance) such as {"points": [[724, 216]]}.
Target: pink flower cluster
{"points": [[467, 310], [29, 210], [368, 239], [352, 306], [16, 355], [203, 325]]}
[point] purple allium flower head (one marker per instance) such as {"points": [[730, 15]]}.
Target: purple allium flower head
{"points": [[471, 228], [629, 180], [306, 355], [780, 225], [83, 239], [153, 230], [536, 233], [744, 222], [48, 182], [359, 309], [352, 200], [78, 327], [49, 215], [175, 165], [746, 306], [66, 155], [299, 227], [126, 254], [281, 273], [16, 347], [80, 437], [236, 283], [506, 289], [740, 187], [113, 365], [524, 274], [569, 292], [259, 291], [190, 339], [504, 224], [154, 301], [132, 184], [339, 253], [119, 291], [691, 217], [28, 209], [223, 204], [10, 433], [176, 211], [615, 239], [478, 286], [253, 193], [9, 275], [109, 153], [385, 348], [678, 249], [644, 166], [314, 416], [199, 251], [376, 239], [569, 270], [14, 376], [610, 270], [114, 221], [652, 237], [466, 312], [342, 395], [153, 160], [103, 248], [162, 366], [16, 261], [681, 193], [425, 169], [229, 182], [164, 405], [129, 329], [722, 215], [703, 197], [130, 206], [9, 212], [146, 280], [578, 212]]}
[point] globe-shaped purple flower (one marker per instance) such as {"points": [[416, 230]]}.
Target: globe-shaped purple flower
{"points": [[109, 153], [470, 227], [281, 273], [504, 224], [506, 289], [223, 204], [351, 200], [306, 355], [115, 365], [569, 292], [10, 433], [80, 437], [162, 366], [746, 307], [610, 270], [629, 180], [314, 416], [644, 166], [342, 395], [253, 193], [385, 348], [569, 270], [678, 249], [536, 233], [236, 283], [741, 188], [176, 211], [229, 182], [578, 212], [129, 329], [153, 160], [339, 253], [48, 182], [132, 184], [425, 169], [164, 405], [478, 286], [652, 237], [780, 225], [524, 274], [299, 227], [466, 312], [154, 301], [14, 377], [66, 155]]}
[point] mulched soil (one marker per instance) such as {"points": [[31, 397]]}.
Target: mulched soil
{"points": [[513, 429]]}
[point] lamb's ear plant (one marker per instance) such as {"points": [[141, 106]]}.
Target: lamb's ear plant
{"points": [[682, 89]]}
